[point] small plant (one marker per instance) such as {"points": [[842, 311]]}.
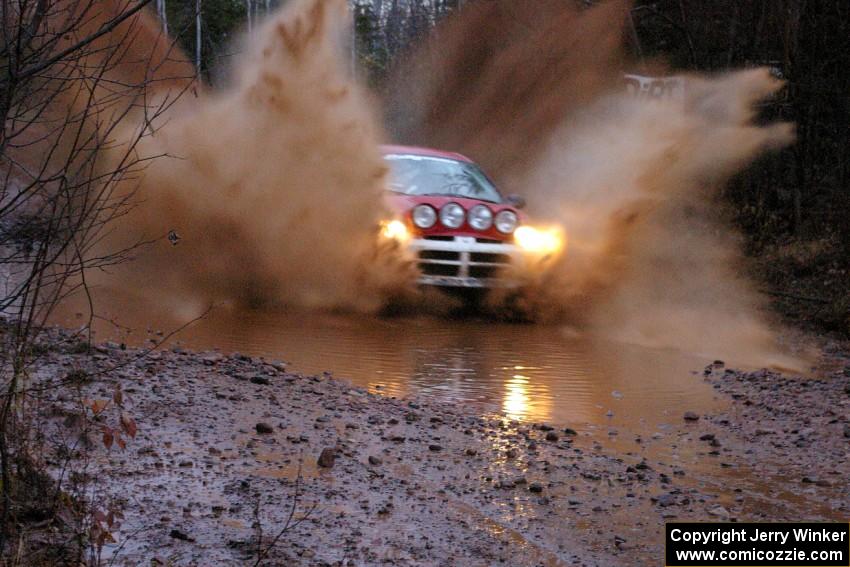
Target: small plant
{"points": [[263, 547], [125, 425]]}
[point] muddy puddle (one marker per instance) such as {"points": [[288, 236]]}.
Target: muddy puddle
{"points": [[627, 404], [524, 372]]}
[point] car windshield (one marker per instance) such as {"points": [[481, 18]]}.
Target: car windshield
{"points": [[426, 175]]}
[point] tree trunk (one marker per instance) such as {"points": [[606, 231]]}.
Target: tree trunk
{"points": [[198, 37]]}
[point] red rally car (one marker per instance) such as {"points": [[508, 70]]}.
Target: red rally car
{"points": [[461, 229]]}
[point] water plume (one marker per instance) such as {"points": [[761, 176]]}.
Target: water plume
{"points": [[633, 182], [271, 190], [497, 79], [651, 259]]}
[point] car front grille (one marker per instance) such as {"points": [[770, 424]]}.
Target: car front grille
{"points": [[439, 255], [448, 257], [439, 269], [485, 258], [483, 271]]}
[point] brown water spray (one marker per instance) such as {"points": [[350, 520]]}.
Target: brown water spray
{"points": [[534, 92], [272, 190]]}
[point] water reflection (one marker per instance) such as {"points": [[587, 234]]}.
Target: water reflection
{"points": [[528, 372], [516, 403]]}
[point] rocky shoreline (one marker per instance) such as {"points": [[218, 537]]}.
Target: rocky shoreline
{"points": [[236, 456]]}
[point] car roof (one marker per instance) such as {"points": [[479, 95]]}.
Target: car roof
{"points": [[419, 151]]}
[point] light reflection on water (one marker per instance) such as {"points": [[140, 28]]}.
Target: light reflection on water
{"points": [[517, 403], [528, 372]]}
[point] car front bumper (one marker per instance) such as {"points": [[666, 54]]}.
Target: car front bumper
{"points": [[465, 262]]}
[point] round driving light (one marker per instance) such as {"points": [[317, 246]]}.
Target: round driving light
{"points": [[452, 215], [424, 216], [480, 217], [506, 222]]}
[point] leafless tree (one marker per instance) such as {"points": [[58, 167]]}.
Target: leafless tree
{"points": [[83, 83]]}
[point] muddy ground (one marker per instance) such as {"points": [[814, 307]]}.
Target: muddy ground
{"points": [[228, 448]]}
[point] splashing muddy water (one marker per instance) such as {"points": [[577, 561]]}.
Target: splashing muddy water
{"points": [[534, 92], [651, 260], [272, 189]]}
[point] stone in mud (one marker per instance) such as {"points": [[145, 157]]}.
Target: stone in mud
{"points": [[376, 461], [264, 428], [551, 436], [706, 437], [471, 452], [570, 431], [666, 500], [719, 512], [691, 416], [212, 359], [535, 487], [511, 453], [847, 431], [260, 380], [177, 534], [327, 458], [435, 448]]}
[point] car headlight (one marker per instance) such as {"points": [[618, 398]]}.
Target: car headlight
{"points": [[506, 222], [539, 241], [480, 217], [424, 216], [394, 230], [452, 215]]}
